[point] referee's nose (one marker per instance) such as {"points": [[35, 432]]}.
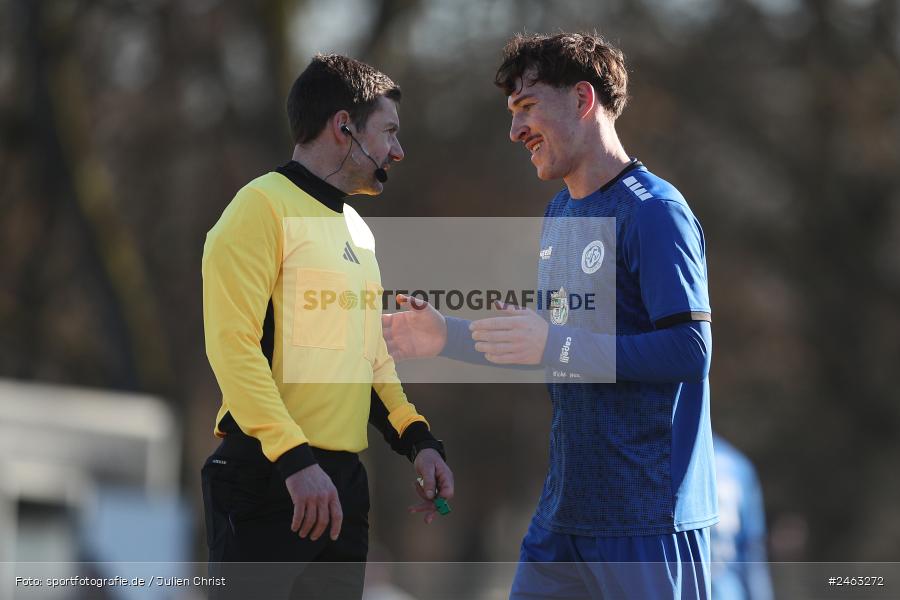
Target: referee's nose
{"points": [[396, 153]]}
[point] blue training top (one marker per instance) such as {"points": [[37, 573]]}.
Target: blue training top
{"points": [[633, 457]]}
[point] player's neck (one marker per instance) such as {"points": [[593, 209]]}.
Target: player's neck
{"points": [[602, 159]]}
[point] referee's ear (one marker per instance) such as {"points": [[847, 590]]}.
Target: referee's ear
{"points": [[336, 125]]}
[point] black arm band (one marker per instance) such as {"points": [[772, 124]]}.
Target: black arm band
{"points": [[295, 459], [433, 443]]}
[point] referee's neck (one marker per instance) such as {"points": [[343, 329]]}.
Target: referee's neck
{"points": [[322, 161]]}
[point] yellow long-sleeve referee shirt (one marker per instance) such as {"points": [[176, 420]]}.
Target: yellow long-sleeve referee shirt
{"points": [[276, 242]]}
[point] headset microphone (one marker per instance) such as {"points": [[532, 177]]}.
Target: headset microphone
{"points": [[380, 174]]}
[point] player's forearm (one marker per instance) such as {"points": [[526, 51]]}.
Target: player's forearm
{"points": [[460, 345], [674, 354]]}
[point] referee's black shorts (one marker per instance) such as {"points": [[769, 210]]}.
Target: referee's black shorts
{"points": [[248, 520]]}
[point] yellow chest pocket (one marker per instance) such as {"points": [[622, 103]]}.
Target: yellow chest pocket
{"points": [[320, 320]]}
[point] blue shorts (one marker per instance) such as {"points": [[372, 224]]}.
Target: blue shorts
{"points": [[561, 567]]}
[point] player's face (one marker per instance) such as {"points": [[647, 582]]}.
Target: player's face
{"points": [[379, 139], [544, 119]]}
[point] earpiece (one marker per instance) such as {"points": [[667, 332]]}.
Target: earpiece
{"points": [[380, 174]]}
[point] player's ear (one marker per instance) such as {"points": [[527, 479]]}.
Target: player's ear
{"points": [[586, 97]]}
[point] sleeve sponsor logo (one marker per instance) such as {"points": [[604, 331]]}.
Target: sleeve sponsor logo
{"points": [[564, 352]]}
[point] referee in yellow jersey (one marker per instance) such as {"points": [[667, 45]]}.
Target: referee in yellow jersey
{"points": [[291, 311]]}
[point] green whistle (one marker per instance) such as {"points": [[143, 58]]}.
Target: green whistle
{"points": [[441, 505]]}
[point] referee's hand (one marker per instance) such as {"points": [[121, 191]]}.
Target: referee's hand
{"points": [[437, 478], [316, 503]]}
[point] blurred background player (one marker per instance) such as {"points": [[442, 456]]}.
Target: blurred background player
{"points": [[287, 470], [740, 568]]}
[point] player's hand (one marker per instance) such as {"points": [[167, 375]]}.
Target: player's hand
{"points": [[435, 475], [517, 337], [316, 503], [419, 332]]}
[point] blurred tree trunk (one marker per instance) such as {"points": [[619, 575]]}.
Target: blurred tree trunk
{"points": [[131, 310]]}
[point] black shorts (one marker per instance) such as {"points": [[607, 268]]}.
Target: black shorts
{"points": [[248, 520]]}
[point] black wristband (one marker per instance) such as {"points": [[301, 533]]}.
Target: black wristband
{"points": [[434, 444], [294, 460]]}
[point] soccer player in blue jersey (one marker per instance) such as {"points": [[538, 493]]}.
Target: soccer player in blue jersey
{"points": [[630, 494]]}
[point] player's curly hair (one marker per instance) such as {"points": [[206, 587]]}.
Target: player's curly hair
{"points": [[330, 83], [564, 59]]}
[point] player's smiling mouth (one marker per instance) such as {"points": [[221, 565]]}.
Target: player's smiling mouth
{"points": [[535, 145]]}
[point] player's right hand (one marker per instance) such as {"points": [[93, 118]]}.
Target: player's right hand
{"points": [[419, 332], [316, 503]]}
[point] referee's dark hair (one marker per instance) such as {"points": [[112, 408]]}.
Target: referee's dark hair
{"points": [[564, 59], [330, 83]]}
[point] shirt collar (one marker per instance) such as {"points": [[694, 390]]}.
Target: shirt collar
{"points": [[313, 185], [634, 164]]}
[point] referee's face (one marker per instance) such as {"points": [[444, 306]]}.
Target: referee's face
{"points": [[378, 139], [544, 119]]}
